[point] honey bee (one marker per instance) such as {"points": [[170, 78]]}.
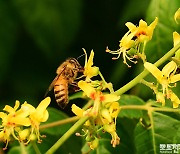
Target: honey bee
{"points": [[67, 73]]}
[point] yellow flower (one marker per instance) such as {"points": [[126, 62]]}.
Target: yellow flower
{"points": [[89, 69], [17, 123], [126, 43], [38, 115], [97, 96], [11, 120], [143, 32], [165, 77], [177, 16]]}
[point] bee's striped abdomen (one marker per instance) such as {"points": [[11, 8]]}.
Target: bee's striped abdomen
{"points": [[61, 92]]}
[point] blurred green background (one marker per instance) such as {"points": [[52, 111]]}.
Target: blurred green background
{"points": [[36, 36]]}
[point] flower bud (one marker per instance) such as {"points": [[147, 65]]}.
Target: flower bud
{"points": [[109, 128], [94, 144], [106, 115], [24, 134], [160, 98]]}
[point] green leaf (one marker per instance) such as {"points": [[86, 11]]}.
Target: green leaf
{"points": [[163, 35], [133, 9], [18, 150], [72, 145], [76, 95], [126, 100], [52, 24], [56, 115], [165, 129]]}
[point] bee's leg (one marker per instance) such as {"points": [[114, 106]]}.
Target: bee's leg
{"points": [[73, 87], [80, 77]]}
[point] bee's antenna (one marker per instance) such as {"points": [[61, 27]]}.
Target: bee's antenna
{"points": [[80, 56]]}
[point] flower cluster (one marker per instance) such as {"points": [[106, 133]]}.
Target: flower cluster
{"points": [[23, 124], [131, 42], [104, 111], [167, 78]]}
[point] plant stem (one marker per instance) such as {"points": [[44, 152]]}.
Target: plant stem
{"points": [[138, 78], [67, 120], [23, 148], [36, 149], [67, 135], [60, 122], [147, 107]]}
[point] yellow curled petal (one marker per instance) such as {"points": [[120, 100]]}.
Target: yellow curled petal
{"points": [[154, 71], [142, 24], [43, 105], [27, 108], [175, 78], [131, 26], [17, 103], [77, 110], [176, 38], [87, 88], [9, 109], [177, 16], [153, 24], [168, 68], [3, 115], [45, 116], [91, 57], [175, 100], [110, 98]]}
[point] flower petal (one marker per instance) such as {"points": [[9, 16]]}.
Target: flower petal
{"points": [[154, 70], [111, 98], [3, 115], [168, 68], [176, 38], [45, 116], [9, 109], [20, 121], [87, 88], [43, 105], [142, 24], [153, 24], [131, 26], [77, 110], [175, 78], [177, 16]]}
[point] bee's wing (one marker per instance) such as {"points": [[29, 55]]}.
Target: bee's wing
{"points": [[53, 82]]}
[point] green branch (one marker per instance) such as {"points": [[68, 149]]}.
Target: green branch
{"points": [[67, 135]]}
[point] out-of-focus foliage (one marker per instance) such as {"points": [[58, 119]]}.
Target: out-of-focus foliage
{"points": [[36, 36]]}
